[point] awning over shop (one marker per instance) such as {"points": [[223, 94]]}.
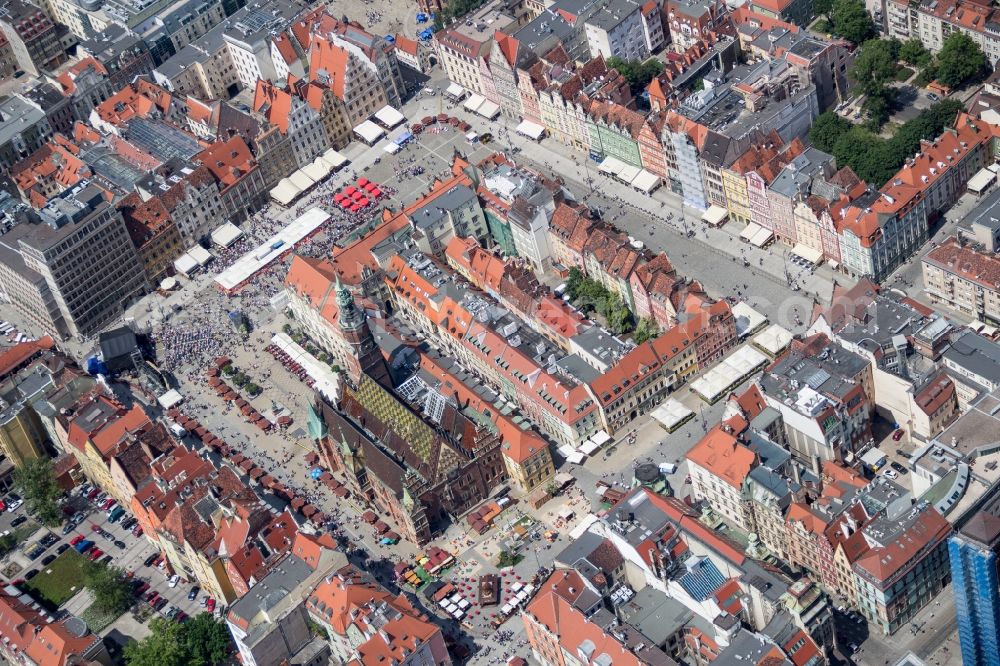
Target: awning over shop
{"points": [[672, 414], [200, 254], [226, 234], [317, 170], [576, 458], [601, 437], [334, 159], [389, 117], [982, 180], [403, 137], [646, 181], [474, 102], [285, 191], [391, 148], [171, 398], [531, 130], [750, 231], [812, 255], [489, 110], [611, 166], [762, 237], [715, 216], [301, 180], [627, 173], [369, 132], [455, 91], [185, 264]]}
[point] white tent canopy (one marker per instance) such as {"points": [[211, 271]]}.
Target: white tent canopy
{"points": [[334, 159], [715, 215], [489, 110], [301, 180], [748, 320], [588, 447], [317, 170], [531, 130], [611, 166], [200, 254], [750, 231], [576, 457], [226, 234], [392, 148], [671, 414], [601, 438], [772, 340], [285, 191], [983, 179], [325, 380], [646, 181], [730, 372], [812, 255], [455, 91], [474, 102], [369, 132], [389, 117], [762, 237], [185, 264], [171, 398], [628, 173]]}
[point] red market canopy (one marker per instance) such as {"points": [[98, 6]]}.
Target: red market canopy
{"points": [[309, 510], [222, 361], [338, 197], [256, 473], [267, 481], [363, 182], [212, 372], [263, 424], [349, 190], [230, 395], [193, 425], [284, 420], [376, 193], [442, 117], [428, 120], [357, 195], [342, 492], [182, 419], [297, 503], [318, 518], [312, 458], [240, 402], [369, 517], [200, 431], [364, 202], [325, 477], [245, 409], [345, 202], [371, 186], [213, 382], [237, 458], [355, 208], [247, 465], [381, 527]]}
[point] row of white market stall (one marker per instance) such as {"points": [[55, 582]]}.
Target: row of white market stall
{"points": [[291, 188], [587, 448], [640, 179], [522, 595], [324, 379], [481, 106], [198, 257], [729, 373]]}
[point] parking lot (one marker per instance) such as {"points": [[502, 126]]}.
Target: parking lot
{"points": [[114, 544]]}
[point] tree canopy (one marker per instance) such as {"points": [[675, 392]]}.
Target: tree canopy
{"points": [[873, 158], [37, 484], [959, 60], [201, 641], [110, 588], [875, 65], [826, 130], [914, 52], [638, 74], [592, 295], [851, 21]]}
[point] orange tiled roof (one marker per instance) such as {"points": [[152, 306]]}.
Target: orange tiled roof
{"points": [[721, 454], [139, 98], [229, 161]]}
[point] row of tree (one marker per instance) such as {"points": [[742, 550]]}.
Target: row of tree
{"points": [[590, 295], [201, 641], [874, 159], [637, 73]]}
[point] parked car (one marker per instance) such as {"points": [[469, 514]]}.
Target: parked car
{"points": [[137, 532], [49, 539], [120, 545], [149, 560], [172, 582], [36, 552], [890, 473], [83, 546], [150, 596], [3, 505], [141, 590], [116, 514], [77, 539], [210, 605], [108, 504], [31, 574], [68, 527], [898, 435], [14, 504], [181, 617], [94, 492], [128, 523], [95, 553], [896, 466], [48, 559], [107, 559], [160, 603], [63, 547], [170, 612], [193, 594], [20, 520]]}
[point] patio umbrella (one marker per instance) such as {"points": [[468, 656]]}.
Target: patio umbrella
{"points": [[212, 381], [349, 190], [371, 186], [212, 372], [363, 182], [442, 117], [309, 510], [369, 517], [355, 208], [338, 197], [318, 518], [428, 120], [358, 195], [345, 202], [297, 503], [363, 202], [376, 193]]}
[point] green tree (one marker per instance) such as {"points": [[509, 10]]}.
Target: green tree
{"points": [[865, 153], [638, 74], [109, 587], [207, 640], [38, 485], [851, 21], [878, 105], [645, 330], [914, 52], [823, 7], [959, 60], [826, 130], [574, 282], [165, 646], [876, 65]]}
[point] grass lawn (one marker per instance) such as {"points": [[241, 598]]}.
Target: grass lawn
{"points": [[903, 73], [97, 621], [59, 581], [821, 25]]}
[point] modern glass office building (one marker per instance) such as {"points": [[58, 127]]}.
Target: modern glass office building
{"points": [[972, 550]]}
